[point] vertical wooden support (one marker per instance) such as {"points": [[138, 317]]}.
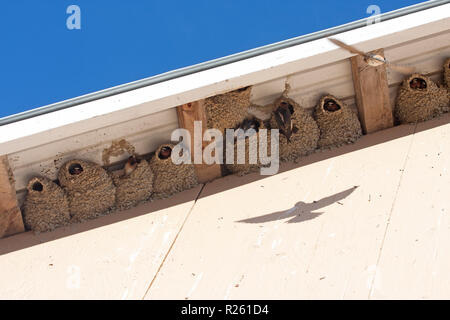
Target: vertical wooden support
{"points": [[187, 114], [10, 216], [372, 94]]}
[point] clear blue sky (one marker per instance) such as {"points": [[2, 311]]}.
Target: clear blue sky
{"points": [[43, 62]]}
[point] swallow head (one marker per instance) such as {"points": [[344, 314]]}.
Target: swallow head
{"points": [[331, 106], [130, 165], [283, 116], [251, 123], [418, 84], [75, 169], [247, 124], [165, 153]]}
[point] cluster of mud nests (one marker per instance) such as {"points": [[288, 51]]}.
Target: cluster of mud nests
{"points": [[86, 190], [299, 132]]}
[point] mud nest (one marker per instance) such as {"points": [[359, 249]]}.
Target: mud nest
{"points": [[304, 131], [248, 167], [227, 110], [169, 177], [90, 190], [5, 218], [134, 183], [420, 99], [447, 72], [46, 206], [338, 124]]}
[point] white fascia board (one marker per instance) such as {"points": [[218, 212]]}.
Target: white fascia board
{"points": [[133, 104]]}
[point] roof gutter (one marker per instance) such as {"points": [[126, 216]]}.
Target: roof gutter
{"points": [[216, 63]]}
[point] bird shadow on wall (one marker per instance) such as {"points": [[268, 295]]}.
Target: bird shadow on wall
{"points": [[302, 211]]}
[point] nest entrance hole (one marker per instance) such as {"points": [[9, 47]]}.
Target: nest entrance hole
{"points": [[75, 169], [331, 106], [37, 186], [242, 89], [165, 153], [418, 84]]}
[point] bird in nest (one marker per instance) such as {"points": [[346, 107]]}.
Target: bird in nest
{"points": [[165, 153], [373, 60], [75, 169], [331, 105], [283, 117], [246, 124], [418, 84], [130, 165]]}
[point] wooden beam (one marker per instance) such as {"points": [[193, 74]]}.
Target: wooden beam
{"points": [[187, 114], [10, 216], [372, 94]]}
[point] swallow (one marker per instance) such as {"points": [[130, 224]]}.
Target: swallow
{"points": [[130, 165], [165, 153], [248, 123], [418, 84], [283, 118], [373, 60], [75, 169], [331, 105]]}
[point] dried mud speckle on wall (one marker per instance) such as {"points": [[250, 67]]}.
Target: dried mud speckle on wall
{"points": [[116, 149], [338, 124], [227, 110], [46, 206], [169, 177], [305, 134], [420, 99], [134, 183], [89, 188]]}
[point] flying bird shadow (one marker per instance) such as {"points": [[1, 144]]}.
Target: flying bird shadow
{"points": [[302, 211]]}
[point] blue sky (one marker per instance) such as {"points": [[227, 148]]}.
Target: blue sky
{"points": [[43, 62]]}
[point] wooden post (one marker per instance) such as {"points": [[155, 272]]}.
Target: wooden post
{"points": [[372, 94], [10, 216], [187, 114]]}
